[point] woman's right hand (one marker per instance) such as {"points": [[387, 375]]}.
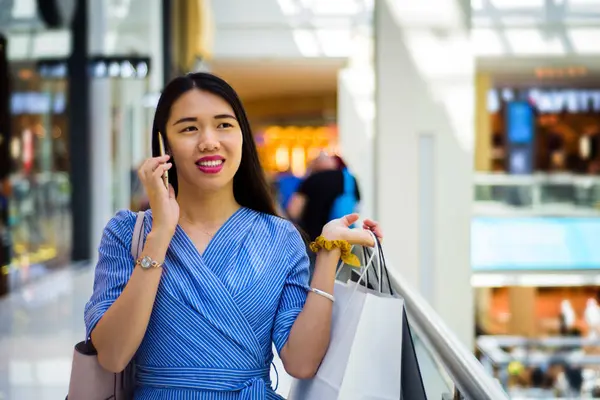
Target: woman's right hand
{"points": [[165, 210]]}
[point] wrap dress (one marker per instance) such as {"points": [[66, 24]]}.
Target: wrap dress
{"points": [[216, 314]]}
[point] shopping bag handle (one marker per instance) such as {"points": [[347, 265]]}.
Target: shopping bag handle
{"points": [[341, 263], [364, 272], [371, 261], [384, 265]]}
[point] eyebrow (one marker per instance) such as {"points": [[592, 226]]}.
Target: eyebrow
{"points": [[194, 119], [186, 119], [224, 116]]}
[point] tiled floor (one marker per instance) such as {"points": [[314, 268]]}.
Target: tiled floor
{"points": [[39, 325]]}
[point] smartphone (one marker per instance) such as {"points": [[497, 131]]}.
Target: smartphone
{"points": [[161, 148]]}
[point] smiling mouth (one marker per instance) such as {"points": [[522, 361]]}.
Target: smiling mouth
{"points": [[210, 164], [211, 167]]}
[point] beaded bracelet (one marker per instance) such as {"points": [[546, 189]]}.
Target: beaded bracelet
{"points": [[345, 247]]}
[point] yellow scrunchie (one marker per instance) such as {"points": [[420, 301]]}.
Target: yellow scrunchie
{"points": [[347, 256]]}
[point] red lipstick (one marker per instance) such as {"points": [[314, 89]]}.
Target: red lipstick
{"points": [[210, 164]]}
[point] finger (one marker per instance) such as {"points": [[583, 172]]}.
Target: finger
{"points": [[369, 222], [360, 237], [171, 191], [376, 230], [160, 169], [350, 219], [373, 227], [151, 164]]}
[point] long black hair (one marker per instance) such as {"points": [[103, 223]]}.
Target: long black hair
{"points": [[250, 187]]}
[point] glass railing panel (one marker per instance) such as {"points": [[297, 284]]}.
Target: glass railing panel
{"points": [[543, 193], [436, 380]]}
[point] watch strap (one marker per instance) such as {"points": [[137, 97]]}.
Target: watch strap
{"points": [[137, 239]]}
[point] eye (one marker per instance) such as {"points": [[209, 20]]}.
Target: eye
{"points": [[190, 128], [225, 125]]}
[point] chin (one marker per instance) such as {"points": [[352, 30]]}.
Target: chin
{"points": [[214, 185]]}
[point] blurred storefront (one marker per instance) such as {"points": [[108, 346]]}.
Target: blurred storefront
{"points": [[291, 148], [39, 204], [35, 173], [79, 124], [552, 130]]}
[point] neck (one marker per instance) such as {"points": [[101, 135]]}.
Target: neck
{"points": [[206, 209]]}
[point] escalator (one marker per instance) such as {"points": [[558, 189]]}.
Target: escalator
{"points": [[447, 369]]}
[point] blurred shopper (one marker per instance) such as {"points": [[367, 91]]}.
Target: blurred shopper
{"points": [[589, 150], [329, 191], [542, 384], [592, 318], [5, 238], [235, 276], [567, 317], [498, 152], [571, 382], [286, 184]]}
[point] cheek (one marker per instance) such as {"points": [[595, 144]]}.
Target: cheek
{"points": [[180, 150], [234, 146]]}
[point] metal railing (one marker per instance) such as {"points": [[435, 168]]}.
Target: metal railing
{"points": [[554, 194], [471, 380]]}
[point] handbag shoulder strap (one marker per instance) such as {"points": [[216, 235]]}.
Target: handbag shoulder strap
{"points": [[137, 240]]}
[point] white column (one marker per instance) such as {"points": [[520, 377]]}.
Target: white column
{"points": [[356, 112], [141, 137], [424, 150], [156, 48], [101, 136]]}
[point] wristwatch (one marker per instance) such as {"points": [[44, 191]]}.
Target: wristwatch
{"points": [[147, 263]]}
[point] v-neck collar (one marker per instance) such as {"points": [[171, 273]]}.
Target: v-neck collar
{"points": [[216, 237], [201, 287]]}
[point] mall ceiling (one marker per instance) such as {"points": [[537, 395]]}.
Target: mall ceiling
{"points": [[276, 77]]}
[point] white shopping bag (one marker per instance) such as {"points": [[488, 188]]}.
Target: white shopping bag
{"points": [[364, 358]]}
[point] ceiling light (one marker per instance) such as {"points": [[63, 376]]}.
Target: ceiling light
{"points": [[307, 42], [288, 7], [514, 4]]}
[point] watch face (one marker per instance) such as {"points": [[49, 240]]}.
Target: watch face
{"points": [[146, 262]]}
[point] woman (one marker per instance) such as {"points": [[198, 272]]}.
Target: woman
{"points": [[229, 277]]}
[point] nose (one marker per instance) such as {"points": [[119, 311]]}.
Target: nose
{"points": [[208, 142]]}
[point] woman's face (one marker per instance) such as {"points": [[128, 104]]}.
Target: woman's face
{"points": [[205, 141]]}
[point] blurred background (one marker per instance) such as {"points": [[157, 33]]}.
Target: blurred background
{"points": [[471, 128]]}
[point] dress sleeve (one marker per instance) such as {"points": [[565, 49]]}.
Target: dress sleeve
{"points": [[295, 289], [115, 266]]}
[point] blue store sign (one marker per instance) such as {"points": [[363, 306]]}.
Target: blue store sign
{"points": [[535, 243]]}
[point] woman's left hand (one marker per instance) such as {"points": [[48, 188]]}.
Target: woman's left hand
{"points": [[339, 229]]}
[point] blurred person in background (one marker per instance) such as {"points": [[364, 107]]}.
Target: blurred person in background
{"points": [[329, 190], [286, 184], [542, 384], [589, 150], [567, 317], [313, 205], [235, 282], [592, 318], [5, 239]]}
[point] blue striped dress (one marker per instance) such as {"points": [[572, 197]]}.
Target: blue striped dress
{"points": [[216, 314]]}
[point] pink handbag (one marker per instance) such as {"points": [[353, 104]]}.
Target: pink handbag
{"points": [[89, 381]]}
